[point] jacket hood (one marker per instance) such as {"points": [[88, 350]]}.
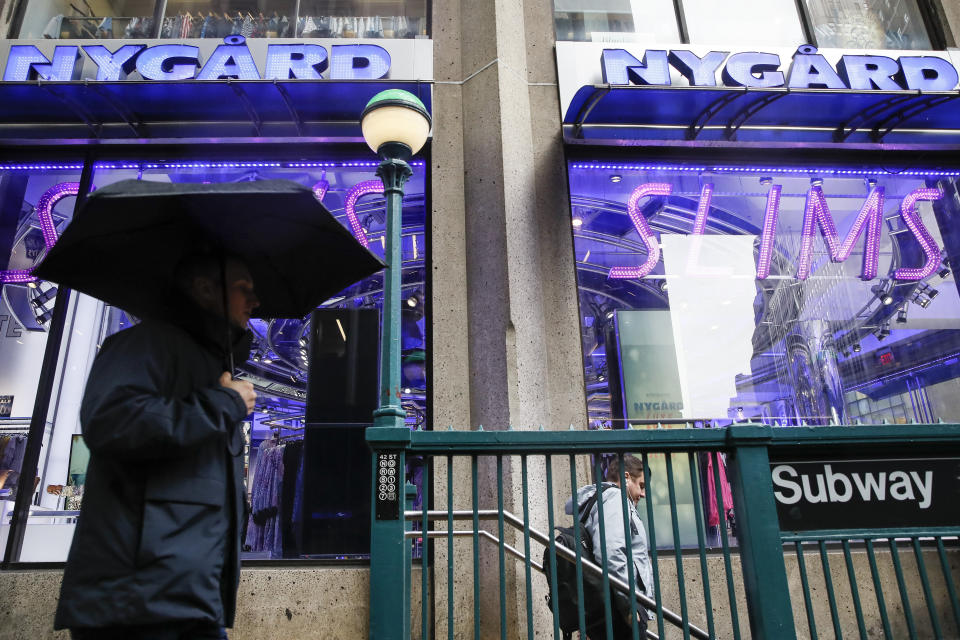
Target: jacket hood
{"points": [[584, 493]]}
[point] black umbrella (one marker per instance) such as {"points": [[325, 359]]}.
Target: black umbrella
{"points": [[125, 242]]}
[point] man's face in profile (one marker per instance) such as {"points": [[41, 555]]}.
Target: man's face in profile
{"points": [[241, 297]]}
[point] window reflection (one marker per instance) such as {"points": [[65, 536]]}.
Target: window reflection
{"points": [[700, 339], [868, 24], [185, 19]]}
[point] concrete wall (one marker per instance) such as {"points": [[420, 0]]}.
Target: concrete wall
{"points": [[318, 603], [332, 604]]}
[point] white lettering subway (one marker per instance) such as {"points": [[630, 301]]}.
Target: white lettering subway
{"points": [[827, 485]]}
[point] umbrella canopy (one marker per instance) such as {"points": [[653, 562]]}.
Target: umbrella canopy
{"points": [[124, 244]]}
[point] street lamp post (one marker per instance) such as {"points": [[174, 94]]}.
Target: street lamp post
{"points": [[395, 125]]}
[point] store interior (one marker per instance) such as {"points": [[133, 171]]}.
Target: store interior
{"points": [[293, 395], [719, 346]]}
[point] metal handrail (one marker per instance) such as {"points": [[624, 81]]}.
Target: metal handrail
{"points": [[569, 554]]}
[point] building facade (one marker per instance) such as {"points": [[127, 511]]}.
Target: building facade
{"points": [[628, 216]]}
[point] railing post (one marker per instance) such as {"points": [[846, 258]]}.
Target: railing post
{"points": [[389, 558], [761, 549], [411, 498]]}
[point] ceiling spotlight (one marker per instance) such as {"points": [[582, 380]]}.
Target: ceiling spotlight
{"points": [[615, 178], [407, 390], [886, 299], [303, 342], [944, 273], [256, 357], [871, 183], [766, 180], [33, 285], [577, 223], [601, 378], [902, 315], [609, 314], [922, 300], [663, 285], [44, 317], [883, 331], [816, 182], [268, 361], [932, 293], [412, 301], [856, 347]]}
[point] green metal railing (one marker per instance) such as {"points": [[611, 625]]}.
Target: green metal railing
{"points": [[497, 496]]}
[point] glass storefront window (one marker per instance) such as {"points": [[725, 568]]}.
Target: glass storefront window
{"points": [[221, 18], [616, 21], [845, 24], [64, 20], [752, 317], [392, 19], [867, 24], [768, 24], [36, 204], [183, 19], [288, 476]]}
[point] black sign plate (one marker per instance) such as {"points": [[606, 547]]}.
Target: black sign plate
{"points": [[861, 494], [387, 485]]}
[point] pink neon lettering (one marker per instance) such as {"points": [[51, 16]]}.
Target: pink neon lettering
{"points": [[356, 192], [643, 229], [769, 229], [45, 205], [817, 211], [908, 211], [703, 209]]}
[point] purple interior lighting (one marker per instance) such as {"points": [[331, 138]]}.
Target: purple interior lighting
{"points": [[770, 216], [356, 192], [908, 211], [45, 206], [750, 170], [643, 229]]}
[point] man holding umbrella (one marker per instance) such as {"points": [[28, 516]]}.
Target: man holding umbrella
{"points": [[155, 555]]}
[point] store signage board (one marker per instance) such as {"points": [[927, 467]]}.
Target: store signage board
{"points": [[871, 493], [587, 63], [207, 59]]}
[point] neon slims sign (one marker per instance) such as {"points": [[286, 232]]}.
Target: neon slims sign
{"points": [[816, 219]]}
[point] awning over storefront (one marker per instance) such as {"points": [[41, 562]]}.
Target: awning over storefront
{"points": [[190, 109], [622, 114]]}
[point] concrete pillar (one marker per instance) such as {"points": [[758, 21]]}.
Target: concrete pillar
{"points": [[506, 343]]}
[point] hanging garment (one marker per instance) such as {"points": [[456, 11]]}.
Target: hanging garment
{"points": [[205, 29], [246, 28], [713, 517], [292, 456]]}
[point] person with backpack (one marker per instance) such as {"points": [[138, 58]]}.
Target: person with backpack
{"points": [[611, 510]]}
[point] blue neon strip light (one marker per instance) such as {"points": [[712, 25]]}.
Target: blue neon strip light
{"points": [[771, 170], [196, 165]]}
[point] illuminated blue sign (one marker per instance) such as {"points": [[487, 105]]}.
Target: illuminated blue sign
{"points": [[232, 59], [808, 70]]}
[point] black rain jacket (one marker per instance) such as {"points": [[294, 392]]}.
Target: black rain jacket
{"points": [[157, 539]]}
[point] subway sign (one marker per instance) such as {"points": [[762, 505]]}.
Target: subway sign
{"points": [[232, 59], [867, 493]]}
